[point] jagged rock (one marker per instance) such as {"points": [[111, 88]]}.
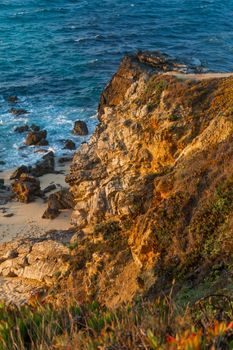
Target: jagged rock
{"points": [[26, 188], [37, 138], [44, 166], [69, 144], [21, 129], [80, 128], [18, 111], [23, 169], [62, 199]]}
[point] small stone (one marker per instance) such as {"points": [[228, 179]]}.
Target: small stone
{"points": [[8, 215]]}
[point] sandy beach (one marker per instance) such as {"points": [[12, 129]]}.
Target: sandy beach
{"points": [[27, 218]]}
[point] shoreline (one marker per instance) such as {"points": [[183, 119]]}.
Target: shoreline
{"points": [[26, 220]]}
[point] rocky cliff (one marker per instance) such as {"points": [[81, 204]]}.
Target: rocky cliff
{"points": [[152, 188], [156, 178]]}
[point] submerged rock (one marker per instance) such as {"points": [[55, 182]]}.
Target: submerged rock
{"points": [[18, 111], [12, 99], [80, 128]]}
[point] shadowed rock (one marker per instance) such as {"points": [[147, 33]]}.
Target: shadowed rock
{"points": [[62, 199]]}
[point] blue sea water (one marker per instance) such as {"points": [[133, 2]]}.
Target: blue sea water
{"points": [[58, 55]]}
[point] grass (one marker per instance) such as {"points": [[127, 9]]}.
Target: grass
{"points": [[158, 324]]}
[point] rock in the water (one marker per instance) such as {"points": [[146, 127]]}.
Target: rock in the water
{"points": [[21, 129], [23, 169], [12, 99], [26, 188], [80, 128], [44, 166], [18, 111], [37, 138], [62, 199], [69, 144]]}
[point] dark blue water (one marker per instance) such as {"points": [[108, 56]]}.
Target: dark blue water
{"points": [[58, 55]]}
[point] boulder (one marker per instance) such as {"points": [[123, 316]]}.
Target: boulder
{"points": [[18, 111], [57, 201], [23, 169], [44, 166], [21, 129], [37, 138], [80, 128], [26, 188], [69, 144]]}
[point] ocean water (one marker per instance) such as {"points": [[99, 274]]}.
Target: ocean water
{"points": [[57, 56]]}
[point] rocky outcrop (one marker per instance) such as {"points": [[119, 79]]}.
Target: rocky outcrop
{"points": [[159, 165]]}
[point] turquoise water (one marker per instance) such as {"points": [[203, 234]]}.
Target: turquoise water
{"points": [[58, 55]]}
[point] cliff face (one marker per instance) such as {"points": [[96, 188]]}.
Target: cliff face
{"points": [[153, 187]]}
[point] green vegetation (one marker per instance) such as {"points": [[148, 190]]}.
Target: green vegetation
{"points": [[160, 324]]}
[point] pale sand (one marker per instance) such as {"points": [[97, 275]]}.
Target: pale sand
{"points": [[27, 219], [202, 76]]}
